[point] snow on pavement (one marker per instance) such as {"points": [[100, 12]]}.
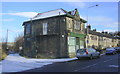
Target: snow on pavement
{"points": [[17, 63]]}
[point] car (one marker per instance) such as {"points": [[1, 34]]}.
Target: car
{"points": [[87, 53], [111, 50], [118, 49], [99, 50]]}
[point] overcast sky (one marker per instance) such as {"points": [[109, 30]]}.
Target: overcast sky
{"points": [[103, 17]]}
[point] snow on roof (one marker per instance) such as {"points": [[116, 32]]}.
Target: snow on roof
{"points": [[49, 14], [52, 13]]}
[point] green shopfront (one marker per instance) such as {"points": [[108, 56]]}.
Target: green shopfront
{"points": [[75, 41]]}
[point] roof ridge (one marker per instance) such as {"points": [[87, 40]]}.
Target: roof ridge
{"points": [[51, 10]]}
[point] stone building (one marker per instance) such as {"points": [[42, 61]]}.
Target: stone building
{"points": [[100, 40], [54, 34]]}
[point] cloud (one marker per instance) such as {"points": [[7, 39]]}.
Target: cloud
{"points": [[23, 14], [99, 18], [116, 23], [103, 21], [6, 20], [111, 25], [16, 31], [77, 4], [109, 30]]}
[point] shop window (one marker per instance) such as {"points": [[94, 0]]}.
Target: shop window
{"points": [[71, 41]]}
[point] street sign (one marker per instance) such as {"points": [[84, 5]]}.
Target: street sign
{"points": [[20, 48]]}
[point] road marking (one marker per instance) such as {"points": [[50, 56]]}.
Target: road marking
{"points": [[92, 65], [102, 54], [107, 60], [115, 66], [86, 67]]}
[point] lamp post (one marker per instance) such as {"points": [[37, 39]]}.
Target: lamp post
{"points": [[87, 11], [87, 21], [6, 40]]}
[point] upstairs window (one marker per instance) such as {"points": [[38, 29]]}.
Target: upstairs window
{"points": [[28, 29], [69, 24], [45, 25], [82, 26], [77, 25]]}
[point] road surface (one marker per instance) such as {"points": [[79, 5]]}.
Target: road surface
{"points": [[106, 63]]}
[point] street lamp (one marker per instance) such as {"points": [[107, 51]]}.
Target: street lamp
{"points": [[87, 20], [88, 8]]}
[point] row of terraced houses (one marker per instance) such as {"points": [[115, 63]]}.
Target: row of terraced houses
{"points": [[59, 33]]}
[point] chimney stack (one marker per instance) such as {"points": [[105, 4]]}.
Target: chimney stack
{"points": [[103, 32], [94, 30], [106, 32], [89, 27]]}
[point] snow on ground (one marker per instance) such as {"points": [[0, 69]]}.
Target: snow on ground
{"points": [[17, 63]]}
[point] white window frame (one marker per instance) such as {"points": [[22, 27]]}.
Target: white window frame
{"points": [[76, 25], [45, 25]]}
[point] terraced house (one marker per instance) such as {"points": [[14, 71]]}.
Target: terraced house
{"points": [[100, 40], [54, 34]]}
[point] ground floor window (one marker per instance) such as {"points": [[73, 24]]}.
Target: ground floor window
{"points": [[82, 44], [27, 43], [71, 41]]}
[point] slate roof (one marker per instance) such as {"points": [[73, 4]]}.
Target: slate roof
{"points": [[99, 34], [53, 13]]}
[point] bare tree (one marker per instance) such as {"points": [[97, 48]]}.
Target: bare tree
{"points": [[4, 45], [19, 40]]}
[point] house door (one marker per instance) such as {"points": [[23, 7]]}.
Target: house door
{"points": [[72, 46], [77, 43]]}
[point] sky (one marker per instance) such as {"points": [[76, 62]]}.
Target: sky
{"points": [[103, 17]]}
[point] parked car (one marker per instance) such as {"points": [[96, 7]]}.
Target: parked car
{"points": [[99, 50], [111, 51], [118, 49], [87, 53]]}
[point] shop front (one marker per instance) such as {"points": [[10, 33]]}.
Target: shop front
{"points": [[75, 41]]}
